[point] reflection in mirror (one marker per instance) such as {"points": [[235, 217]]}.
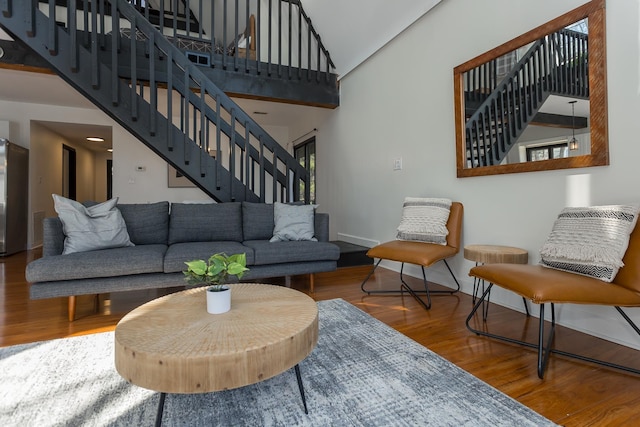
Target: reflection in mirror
{"points": [[529, 104]]}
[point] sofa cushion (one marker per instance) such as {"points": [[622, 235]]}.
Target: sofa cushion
{"points": [[266, 252], [102, 263], [257, 221], [293, 222], [147, 223], [179, 253], [205, 222], [100, 226]]}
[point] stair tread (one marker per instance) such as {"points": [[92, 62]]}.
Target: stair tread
{"points": [[352, 255]]}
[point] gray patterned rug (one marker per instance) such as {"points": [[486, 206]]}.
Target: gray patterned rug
{"points": [[362, 373]]}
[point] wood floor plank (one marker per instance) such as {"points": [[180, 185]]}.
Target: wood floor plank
{"points": [[573, 393]]}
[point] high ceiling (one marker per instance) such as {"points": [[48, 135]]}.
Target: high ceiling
{"points": [[352, 31]]}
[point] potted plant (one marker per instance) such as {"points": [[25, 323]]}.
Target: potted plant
{"points": [[215, 272]]}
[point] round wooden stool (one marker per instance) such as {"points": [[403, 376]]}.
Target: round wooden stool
{"points": [[493, 254]]}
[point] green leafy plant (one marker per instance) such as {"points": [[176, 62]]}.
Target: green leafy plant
{"points": [[215, 270]]}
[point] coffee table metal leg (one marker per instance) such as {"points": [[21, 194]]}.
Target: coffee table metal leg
{"points": [[160, 409], [301, 387]]}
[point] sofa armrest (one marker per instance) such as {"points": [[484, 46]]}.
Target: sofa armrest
{"points": [[321, 226], [53, 237]]}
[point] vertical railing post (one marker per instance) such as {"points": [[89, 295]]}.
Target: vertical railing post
{"points": [[235, 35], [30, 18], [53, 29], [289, 40], [170, 142], [187, 16], [185, 112], [153, 89], [224, 33], [259, 37], [279, 39], [299, 41], [6, 8], [115, 47], [134, 71], [73, 37], [95, 67], [270, 38]]}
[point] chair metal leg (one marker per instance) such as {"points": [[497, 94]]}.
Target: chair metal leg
{"points": [[413, 292], [543, 356], [367, 278], [545, 351], [479, 284]]}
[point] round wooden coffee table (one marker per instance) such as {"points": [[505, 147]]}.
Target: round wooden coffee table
{"points": [[172, 345]]}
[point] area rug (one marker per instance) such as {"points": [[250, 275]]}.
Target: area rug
{"points": [[362, 373]]}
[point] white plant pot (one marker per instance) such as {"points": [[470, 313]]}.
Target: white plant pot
{"points": [[218, 302]]}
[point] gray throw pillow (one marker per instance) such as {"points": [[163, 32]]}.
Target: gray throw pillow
{"points": [[293, 222], [91, 228]]}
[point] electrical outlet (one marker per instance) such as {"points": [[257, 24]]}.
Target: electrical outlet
{"points": [[397, 164]]}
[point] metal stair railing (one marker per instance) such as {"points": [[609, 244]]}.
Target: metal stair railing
{"points": [[555, 64], [197, 117], [287, 42]]}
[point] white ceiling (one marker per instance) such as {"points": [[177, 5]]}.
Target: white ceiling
{"points": [[352, 31]]}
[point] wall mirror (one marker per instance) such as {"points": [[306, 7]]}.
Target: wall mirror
{"points": [[537, 102]]}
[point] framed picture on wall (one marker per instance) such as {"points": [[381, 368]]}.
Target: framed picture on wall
{"points": [[177, 180]]}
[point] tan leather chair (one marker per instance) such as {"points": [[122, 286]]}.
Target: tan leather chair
{"points": [[543, 285], [422, 254]]}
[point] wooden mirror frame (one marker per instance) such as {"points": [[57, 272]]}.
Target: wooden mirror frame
{"points": [[599, 153]]}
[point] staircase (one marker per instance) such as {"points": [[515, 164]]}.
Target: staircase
{"points": [[168, 104], [500, 111]]}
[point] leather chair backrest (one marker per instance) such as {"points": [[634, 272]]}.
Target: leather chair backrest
{"points": [[454, 225], [629, 275]]}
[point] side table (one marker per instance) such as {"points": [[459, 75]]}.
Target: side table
{"points": [[493, 254]]}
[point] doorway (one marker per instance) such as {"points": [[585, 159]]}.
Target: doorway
{"points": [[68, 172], [109, 179], [305, 154]]}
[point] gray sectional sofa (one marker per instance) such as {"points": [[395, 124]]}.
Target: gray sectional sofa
{"points": [[165, 236]]}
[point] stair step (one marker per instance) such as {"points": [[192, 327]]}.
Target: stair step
{"points": [[352, 255]]}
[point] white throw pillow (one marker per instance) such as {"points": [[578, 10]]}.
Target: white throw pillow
{"points": [[91, 228], [424, 220], [293, 222], [590, 240]]}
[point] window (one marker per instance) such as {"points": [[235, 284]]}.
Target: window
{"points": [[305, 154], [547, 152]]}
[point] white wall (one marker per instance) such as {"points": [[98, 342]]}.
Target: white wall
{"points": [[399, 103]]}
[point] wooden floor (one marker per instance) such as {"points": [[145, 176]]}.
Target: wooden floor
{"points": [[572, 393]]}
